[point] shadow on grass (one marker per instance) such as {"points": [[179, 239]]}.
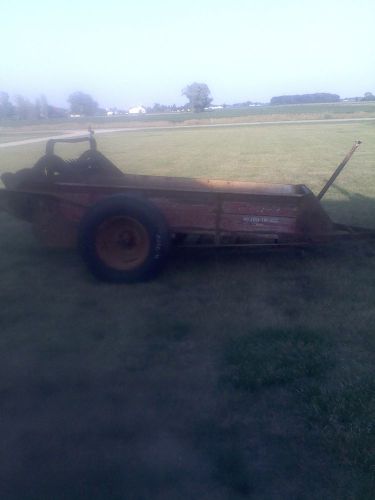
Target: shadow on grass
{"points": [[356, 209]]}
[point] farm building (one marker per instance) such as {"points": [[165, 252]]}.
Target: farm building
{"points": [[137, 110]]}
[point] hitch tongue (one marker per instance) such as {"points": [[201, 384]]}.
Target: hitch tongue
{"points": [[338, 170]]}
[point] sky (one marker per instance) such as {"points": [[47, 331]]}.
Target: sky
{"points": [[140, 52]]}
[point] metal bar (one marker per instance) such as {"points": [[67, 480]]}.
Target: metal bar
{"points": [[338, 170], [200, 187], [90, 138], [247, 245], [218, 219]]}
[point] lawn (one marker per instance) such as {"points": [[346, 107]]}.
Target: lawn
{"points": [[233, 375]]}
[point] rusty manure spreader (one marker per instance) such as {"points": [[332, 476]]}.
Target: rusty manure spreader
{"points": [[123, 224]]}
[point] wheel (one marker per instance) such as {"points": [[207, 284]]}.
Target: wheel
{"points": [[123, 239]]}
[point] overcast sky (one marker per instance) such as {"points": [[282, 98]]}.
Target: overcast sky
{"points": [[141, 52]]}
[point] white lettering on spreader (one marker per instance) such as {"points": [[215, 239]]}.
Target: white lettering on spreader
{"points": [[254, 219]]}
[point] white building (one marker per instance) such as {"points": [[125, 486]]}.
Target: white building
{"points": [[137, 110]]}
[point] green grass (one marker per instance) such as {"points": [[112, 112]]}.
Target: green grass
{"points": [[345, 414], [233, 375], [291, 355]]}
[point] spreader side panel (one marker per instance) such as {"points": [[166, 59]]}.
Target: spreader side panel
{"points": [[268, 215]]}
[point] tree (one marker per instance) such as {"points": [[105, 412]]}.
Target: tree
{"points": [[43, 107], [369, 96], [25, 110], [82, 104], [6, 107], [199, 96]]}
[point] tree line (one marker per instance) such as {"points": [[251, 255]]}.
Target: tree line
{"points": [[305, 98], [22, 108], [322, 97], [82, 104], [198, 96]]}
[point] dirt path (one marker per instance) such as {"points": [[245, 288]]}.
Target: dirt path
{"points": [[69, 134]]}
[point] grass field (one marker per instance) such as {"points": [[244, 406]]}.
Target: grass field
{"points": [[233, 375]]}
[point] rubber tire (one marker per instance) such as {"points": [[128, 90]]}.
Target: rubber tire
{"points": [[145, 213]]}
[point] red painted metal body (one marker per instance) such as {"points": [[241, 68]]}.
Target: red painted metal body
{"points": [[214, 208], [54, 195]]}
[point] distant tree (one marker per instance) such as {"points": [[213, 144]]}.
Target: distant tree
{"points": [[162, 108], [38, 108], [6, 107], [25, 110], [199, 96], [157, 108], [369, 96], [44, 110], [245, 104], [82, 104]]}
